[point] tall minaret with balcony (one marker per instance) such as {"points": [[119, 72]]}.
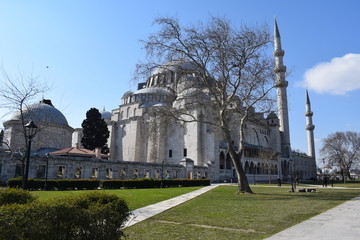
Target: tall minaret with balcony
{"points": [[309, 127], [281, 85]]}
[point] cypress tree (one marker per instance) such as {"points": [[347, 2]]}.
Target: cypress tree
{"points": [[95, 131]]}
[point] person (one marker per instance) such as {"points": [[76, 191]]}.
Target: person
{"points": [[332, 182], [279, 182], [325, 180]]}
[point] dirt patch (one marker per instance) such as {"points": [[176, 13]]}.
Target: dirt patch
{"points": [[209, 226]]}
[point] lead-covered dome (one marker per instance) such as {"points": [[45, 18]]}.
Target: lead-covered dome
{"points": [[42, 112], [175, 74], [178, 66], [106, 115]]}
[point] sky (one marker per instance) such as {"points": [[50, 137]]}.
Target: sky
{"points": [[86, 51]]}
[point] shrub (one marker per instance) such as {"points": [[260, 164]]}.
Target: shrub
{"points": [[13, 195], [105, 213], [91, 216]]}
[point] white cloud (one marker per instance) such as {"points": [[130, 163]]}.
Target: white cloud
{"points": [[339, 76]]}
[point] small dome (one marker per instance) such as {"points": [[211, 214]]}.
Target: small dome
{"points": [[127, 94], [272, 115], [42, 112], [105, 114]]}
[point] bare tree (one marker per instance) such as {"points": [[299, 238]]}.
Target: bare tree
{"points": [[270, 158], [16, 94], [233, 75], [342, 149]]}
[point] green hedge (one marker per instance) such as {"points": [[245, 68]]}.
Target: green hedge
{"points": [[57, 184], [154, 183], [15, 196], [90, 216], [72, 184]]}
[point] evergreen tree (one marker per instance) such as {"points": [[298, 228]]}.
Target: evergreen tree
{"points": [[95, 131]]}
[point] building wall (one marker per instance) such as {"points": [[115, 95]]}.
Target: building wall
{"points": [[47, 136]]}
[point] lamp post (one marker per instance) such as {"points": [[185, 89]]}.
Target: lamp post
{"points": [[162, 173], [292, 169], [30, 128], [46, 170]]}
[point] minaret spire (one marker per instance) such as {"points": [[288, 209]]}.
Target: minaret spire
{"points": [[281, 85], [309, 127], [276, 29]]}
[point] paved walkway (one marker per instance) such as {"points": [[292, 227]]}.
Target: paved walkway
{"points": [[341, 222], [141, 214]]}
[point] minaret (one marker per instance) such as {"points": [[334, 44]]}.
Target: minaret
{"points": [[309, 127], [281, 85]]}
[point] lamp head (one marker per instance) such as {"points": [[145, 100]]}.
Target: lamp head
{"points": [[30, 129]]}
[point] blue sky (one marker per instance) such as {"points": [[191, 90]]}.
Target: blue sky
{"points": [[91, 48]]}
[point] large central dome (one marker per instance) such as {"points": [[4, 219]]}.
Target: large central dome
{"points": [[174, 73], [178, 66]]}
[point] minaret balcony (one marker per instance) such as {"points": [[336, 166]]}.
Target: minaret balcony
{"points": [[281, 84], [279, 53], [310, 127], [278, 69], [309, 114]]}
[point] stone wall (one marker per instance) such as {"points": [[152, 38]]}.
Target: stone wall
{"points": [[92, 168]]}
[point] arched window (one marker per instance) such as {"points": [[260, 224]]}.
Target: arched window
{"points": [[128, 112], [134, 112], [228, 161], [252, 170], [247, 168], [222, 160]]}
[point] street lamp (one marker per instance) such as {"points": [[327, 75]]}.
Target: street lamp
{"points": [[30, 129], [292, 170], [47, 155], [162, 173]]}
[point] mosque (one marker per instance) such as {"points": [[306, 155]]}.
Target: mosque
{"points": [[138, 150]]}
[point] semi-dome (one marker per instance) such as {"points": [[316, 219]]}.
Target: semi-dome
{"points": [[42, 112], [157, 91]]}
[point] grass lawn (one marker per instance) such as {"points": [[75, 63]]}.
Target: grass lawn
{"points": [[222, 214], [136, 198], [347, 185]]}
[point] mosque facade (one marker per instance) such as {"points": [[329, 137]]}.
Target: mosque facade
{"points": [[140, 149]]}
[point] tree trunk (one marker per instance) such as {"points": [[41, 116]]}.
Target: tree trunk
{"points": [[243, 184], [343, 176]]}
